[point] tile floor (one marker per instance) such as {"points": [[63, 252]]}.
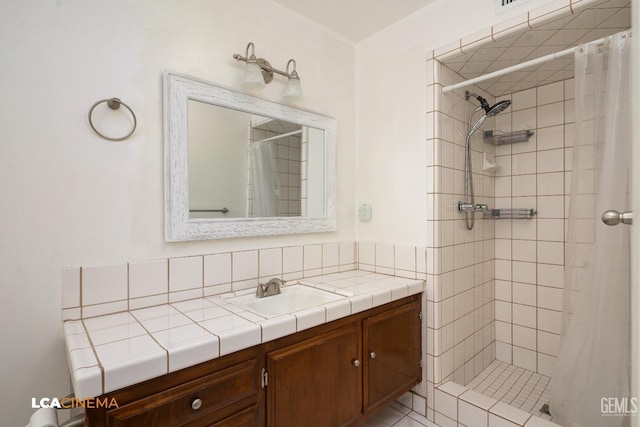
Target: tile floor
{"points": [[515, 386], [398, 415]]}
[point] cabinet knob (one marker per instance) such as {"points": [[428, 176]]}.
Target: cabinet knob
{"points": [[372, 355], [196, 404], [356, 363]]}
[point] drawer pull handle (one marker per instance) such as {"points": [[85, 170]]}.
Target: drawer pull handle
{"points": [[196, 404], [372, 355], [356, 363]]}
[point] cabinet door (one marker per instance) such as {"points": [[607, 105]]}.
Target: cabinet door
{"points": [[317, 382], [392, 342]]}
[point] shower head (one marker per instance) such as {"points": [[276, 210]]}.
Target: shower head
{"points": [[498, 108], [489, 110]]}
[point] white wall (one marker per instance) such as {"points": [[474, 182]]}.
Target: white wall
{"points": [[72, 198], [390, 112]]}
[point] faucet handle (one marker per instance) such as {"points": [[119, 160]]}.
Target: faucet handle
{"points": [[260, 290]]}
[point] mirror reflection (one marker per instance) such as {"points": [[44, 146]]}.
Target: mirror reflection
{"points": [[243, 165]]}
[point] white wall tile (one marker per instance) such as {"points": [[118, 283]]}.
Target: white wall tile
{"points": [[312, 257], [524, 272], [524, 315], [551, 138], [472, 416], [523, 99], [524, 337], [244, 265], [523, 163], [524, 293], [292, 257], [367, 253], [446, 404], [550, 207], [550, 115], [405, 257], [551, 275], [553, 92], [503, 352], [104, 284], [347, 253], [270, 263], [549, 320], [524, 250], [217, 269], [385, 255], [524, 358], [551, 230], [550, 184], [148, 278], [523, 185], [70, 287], [548, 343], [551, 160], [185, 273], [546, 364], [330, 254], [495, 421], [550, 298]]}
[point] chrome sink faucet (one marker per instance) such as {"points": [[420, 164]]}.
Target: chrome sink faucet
{"points": [[272, 287]]}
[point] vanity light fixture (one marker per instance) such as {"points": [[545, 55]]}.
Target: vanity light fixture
{"points": [[259, 72]]}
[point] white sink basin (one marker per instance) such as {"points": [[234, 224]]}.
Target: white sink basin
{"points": [[291, 298]]}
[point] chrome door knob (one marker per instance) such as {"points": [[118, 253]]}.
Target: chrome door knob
{"points": [[372, 355], [356, 363], [614, 217]]}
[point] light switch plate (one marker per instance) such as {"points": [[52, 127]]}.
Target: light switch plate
{"points": [[364, 212]]}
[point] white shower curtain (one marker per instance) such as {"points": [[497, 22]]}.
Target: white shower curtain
{"points": [[264, 180], [594, 359]]}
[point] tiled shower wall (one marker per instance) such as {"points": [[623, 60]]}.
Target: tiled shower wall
{"points": [[288, 163], [460, 289], [530, 253]]}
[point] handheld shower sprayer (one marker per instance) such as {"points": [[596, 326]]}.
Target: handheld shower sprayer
{"points": [[469, 207]]}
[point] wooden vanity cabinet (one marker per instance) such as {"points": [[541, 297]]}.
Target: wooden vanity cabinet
{"points": [[223, 392], [341, 376], [336, 374]]}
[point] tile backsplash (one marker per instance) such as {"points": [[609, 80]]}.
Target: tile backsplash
{"points": [[90, 291]]}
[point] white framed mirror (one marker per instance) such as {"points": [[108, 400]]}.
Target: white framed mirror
{"points": [[237, 165]]}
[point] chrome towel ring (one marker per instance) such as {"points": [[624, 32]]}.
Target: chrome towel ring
{"points": [[114, 104]]}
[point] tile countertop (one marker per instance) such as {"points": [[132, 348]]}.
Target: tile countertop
{"points": [[114, 351]]}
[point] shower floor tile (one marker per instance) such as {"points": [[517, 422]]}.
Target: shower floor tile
{"points": [[514, 386]]}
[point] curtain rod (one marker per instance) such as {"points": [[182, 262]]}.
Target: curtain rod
{"points": [[284, 135], [516, 67]]}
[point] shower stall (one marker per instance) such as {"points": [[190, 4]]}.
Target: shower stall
{"points": [[502, 213]]}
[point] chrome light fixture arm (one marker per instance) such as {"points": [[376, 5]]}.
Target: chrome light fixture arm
{"points": [[267, 69]]}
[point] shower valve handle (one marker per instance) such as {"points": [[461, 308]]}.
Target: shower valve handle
{"points": [[470, 207]]}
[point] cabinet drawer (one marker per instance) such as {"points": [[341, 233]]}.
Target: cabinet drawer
{"points": [[176, 405]]}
